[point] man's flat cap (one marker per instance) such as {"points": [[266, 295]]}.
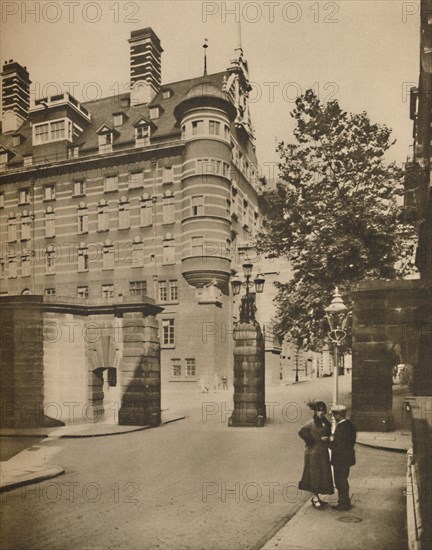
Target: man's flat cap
{"points": [[338, 409]]}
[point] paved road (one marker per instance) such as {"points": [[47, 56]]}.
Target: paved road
{"points": [[192, 484]]}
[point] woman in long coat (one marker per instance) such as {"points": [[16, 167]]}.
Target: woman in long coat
{"points": [[317, 476]]}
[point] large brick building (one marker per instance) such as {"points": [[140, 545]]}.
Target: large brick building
{"points": [[149, 193]]}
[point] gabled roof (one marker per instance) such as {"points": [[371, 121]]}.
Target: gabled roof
{"points": [[102, 110]]}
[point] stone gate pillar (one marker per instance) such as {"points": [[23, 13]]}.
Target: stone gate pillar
{"points": [[391, 325], [249, 376], [140, 371]]}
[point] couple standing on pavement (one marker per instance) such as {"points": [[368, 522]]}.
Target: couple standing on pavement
{"points": [[317, 476]]}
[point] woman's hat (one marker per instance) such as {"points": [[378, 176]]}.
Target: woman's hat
{"points": [[317, 406]]}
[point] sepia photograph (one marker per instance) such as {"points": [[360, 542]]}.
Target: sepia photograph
{"points": [[215, 275]]}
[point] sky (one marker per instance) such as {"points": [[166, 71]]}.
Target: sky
{"points": [[363, 53]]}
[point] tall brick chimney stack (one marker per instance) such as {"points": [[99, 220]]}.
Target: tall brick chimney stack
{"points": [[15, 95], [145, 65]]}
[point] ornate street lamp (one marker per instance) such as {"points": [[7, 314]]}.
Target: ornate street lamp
{"points": [[337, 315], [247, 306]]}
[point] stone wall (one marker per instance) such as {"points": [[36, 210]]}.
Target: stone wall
{"points": [[22, 369], [391, 325], [68, 361]]}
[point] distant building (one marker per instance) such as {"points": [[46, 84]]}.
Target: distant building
{"points": [[418, 179], [149, 193]]}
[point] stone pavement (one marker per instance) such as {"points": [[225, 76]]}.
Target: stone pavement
{"points": [[32, 465], [377, 514]]}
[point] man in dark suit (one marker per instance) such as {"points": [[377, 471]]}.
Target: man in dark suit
{"points": [[343, 456]]}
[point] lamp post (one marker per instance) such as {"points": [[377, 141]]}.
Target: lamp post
{"points": [[337, 316], [247, 306], [296, 355]]}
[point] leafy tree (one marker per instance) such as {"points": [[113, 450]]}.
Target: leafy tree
{"points": [[334, 213]]}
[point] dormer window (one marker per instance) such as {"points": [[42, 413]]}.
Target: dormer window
{"points": [[73, 152], [119, 119], [167, 94], [28, 160], [142, 136], [3, 160], [105, 138], [155, 111], [16, 140]]}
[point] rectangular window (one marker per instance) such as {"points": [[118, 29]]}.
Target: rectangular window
{"points": [[124, 215], [83, 259], [163, 291], [136, 179], [197, 127], [197, 246], [111, 184], [24, 196], [168, 253], [49, 193], [25, 228], [83, 291], [50, 292], [142, 136], [168, 332], [226, 132], [168, 210], [173, 291], [12, 268], [57, 130], [2, 200], [73, 152], [41, 133], [154, 113], [167, 175], [82, 220], [214, 127], [50, 262], [138, 288], [105, 142], [25, 266], [107, 291], [12, 230], [118, 120], [146, 214], [108, 257], [28, 160], [176, 368], [3, 267], [49, 225], [79, 188], [137, 255], [3, 161], [103, 218], [198, 205], [190, 367]]}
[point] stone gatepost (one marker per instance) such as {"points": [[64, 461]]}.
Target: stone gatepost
{"points": [[391, 324], [140, 371], [249, 376]]}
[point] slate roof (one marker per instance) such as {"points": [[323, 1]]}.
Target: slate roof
{"points": [[102, 111]]}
